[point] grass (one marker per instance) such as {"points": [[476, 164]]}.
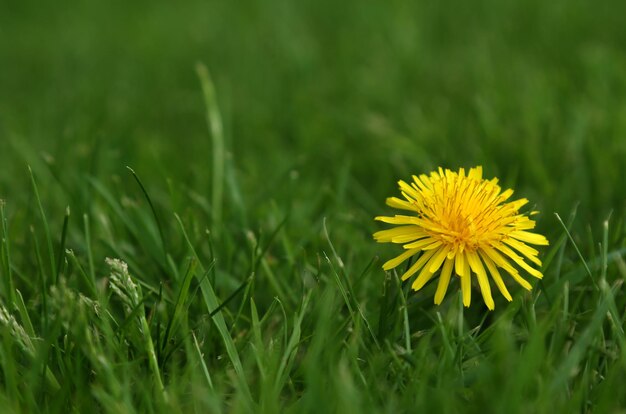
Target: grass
{"points": [[234, 156]]}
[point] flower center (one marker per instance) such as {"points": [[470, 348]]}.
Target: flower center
{"points": [[463, 212]]}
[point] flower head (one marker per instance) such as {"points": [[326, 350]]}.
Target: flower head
{"points": [[462, 224]]}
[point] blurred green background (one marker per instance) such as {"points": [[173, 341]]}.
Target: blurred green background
{"points": [[325, 105], [532, 90]]}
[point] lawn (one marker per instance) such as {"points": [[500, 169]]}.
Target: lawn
{"points": [[188, 193]]}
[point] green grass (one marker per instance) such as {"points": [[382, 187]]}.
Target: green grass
{"points": [[234, 154]]}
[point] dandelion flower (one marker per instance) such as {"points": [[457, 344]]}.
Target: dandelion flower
{"points": [[462, 224]]}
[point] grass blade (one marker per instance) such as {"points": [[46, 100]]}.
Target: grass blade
{"points": [[62, 247], [290, 350], [569, 235], [576, 354], [205, 370], [46, 227], [154, 213], [180, 301], [214, 121], [212, 303], [6, 255], [346, 293]]}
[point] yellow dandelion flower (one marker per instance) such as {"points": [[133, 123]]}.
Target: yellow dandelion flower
{"points": [[462, 224]]}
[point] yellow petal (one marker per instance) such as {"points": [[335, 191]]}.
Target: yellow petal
{"points": [[476, 173], [395, 262], [400, 204], [466, 288], [459, 264], [495, 275], [398, 219], [481, 275], [528, 252], [517, 259], [521, 281], [505, 195], [444, 281], [522, 222], [517, 204], [503, 263], [424, 276], [385, 236], [433, 245], [528, 237], [423, 182], [410, 191], [438, 259], [418, 265], [408, 238], [421, 244], [499, 260]]}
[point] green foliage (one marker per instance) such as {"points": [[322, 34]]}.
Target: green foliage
{"points": [[229, 157]]}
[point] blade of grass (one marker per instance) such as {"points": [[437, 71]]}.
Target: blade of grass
{"points": [[214, 121], [212, 303], [346, 293], [230, 297], [269, 243], [561, 251], [150, 245], [383, 310], [42, 280], [605, 248], [256, 328], [405, 313], [114, 205], [154, 213], [92, 269], [576, 354], [152, 356], [444, 337], [81, 271], [60, 257], [283, 290], [593, 280], [205, 370], [290, 350], [613, 312], [24, 317], [6, 255], [180, 301], [44, 220]]}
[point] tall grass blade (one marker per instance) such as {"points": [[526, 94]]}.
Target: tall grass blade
{"points": [[212, 303], [154, 213], [347, 293], [576, 354], [44, 221], [214, 121], [61, 255], [180, 301], [6, 255], [580, 255], [205, 370]]}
